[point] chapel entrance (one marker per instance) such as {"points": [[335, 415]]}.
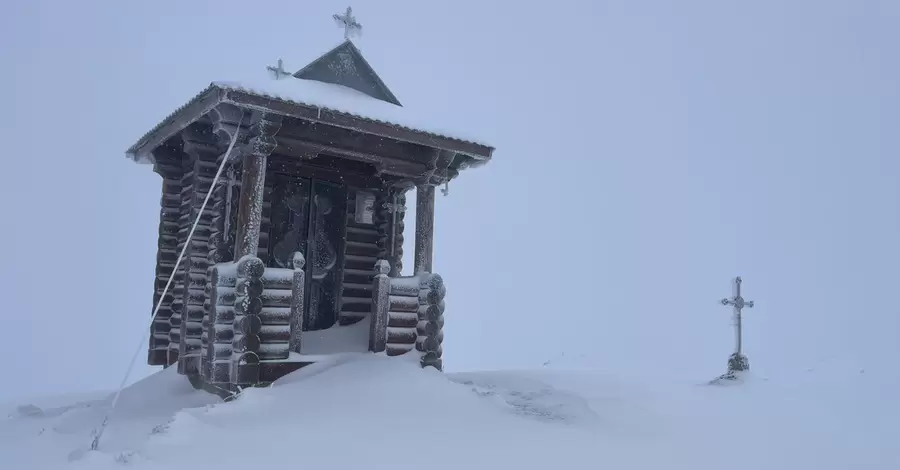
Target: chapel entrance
{"points": [[308, 216]]}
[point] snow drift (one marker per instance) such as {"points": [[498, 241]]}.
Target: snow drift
{"points": [[373, 412]]}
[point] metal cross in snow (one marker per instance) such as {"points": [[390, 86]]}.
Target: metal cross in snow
{"points": [[348, 22], [738, 303], [278, 71]]}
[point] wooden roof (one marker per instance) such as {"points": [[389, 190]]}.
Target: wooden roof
{"points": [[316, 109]]}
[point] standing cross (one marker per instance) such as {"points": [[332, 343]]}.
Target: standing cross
{"points": [[278, 71], [738, 303], [348, 22]]}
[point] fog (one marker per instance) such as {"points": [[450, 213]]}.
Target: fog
{"points": [[646, 153]]}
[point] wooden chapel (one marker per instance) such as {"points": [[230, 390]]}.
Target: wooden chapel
{"points": [[297, 253]]}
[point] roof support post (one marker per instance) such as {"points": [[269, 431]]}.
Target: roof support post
{"points": [[424, 228], [253, 180], [439, 161]]}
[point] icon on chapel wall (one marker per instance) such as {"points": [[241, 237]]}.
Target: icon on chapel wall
{"points": [[365, 208]]}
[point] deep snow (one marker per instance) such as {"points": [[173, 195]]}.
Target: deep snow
{"points": [[373, 412]]}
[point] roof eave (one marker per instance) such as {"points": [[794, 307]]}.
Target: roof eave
{"points": [[200, 105], [350, 121], [213, 95]]}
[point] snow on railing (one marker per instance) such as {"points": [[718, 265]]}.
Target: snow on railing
{"points": [[255, 314], [408, 313], [248, 290]]}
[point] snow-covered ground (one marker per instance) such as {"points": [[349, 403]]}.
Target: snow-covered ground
{"points": [[372, 412]]}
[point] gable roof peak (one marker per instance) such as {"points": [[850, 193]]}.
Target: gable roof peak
{"points": [[345, 65]]}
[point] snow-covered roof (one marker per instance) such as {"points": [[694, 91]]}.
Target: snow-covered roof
{"points": [[349, 101], [325, 102]]}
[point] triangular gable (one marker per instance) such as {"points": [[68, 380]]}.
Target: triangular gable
{"points": [[345, 65]]}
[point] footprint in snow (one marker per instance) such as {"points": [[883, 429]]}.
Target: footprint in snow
{"points": [[545, 404]]}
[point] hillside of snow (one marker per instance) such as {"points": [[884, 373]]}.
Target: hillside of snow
{"points": [[372, 412]]}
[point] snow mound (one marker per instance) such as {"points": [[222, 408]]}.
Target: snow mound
{"points": [[374, 412]]}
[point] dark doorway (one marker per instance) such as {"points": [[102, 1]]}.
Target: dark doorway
{"points": [[308, 215]]}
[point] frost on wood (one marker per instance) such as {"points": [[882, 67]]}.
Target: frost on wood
{"points": [[167, 254], [201, 164], [416, 317], [274, 279], [430, 327], [253, 184], [247, 323], [381, 290]]}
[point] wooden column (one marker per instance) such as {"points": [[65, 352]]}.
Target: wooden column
{"points": [[424, 228], [381, 294], [437, 167], [253, 180], [396, 233]]}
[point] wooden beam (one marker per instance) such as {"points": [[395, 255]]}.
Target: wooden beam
{"points": [[183, 117], [228, 119], [253, 180], [424, 228], [349, 121], [384, 165], [280, 163], [350, 139]]}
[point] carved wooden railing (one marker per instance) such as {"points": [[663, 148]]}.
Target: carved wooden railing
{"points": [[254, 315], [407, 314]]}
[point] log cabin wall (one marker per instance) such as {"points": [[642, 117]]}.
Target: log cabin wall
{"points": [[382, 239], [409, 314], [277, 298], [200, 163], [221, 250], [166, 255], [303, 150], [178, 285], [216, 360], [360, 254]]}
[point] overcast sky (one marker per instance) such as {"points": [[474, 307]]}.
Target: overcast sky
{"points": [[647, 152]]}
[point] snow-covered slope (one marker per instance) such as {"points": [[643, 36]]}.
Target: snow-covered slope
{"points": [[372, 412]]}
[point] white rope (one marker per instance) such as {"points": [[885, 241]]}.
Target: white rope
{"points": [[96, 442]]}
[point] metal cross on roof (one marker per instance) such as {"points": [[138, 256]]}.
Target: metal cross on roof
{"points": [[279, 71], [738, 303], [348, 22]]}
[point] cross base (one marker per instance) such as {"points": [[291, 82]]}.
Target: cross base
{"points": [[738, 362]]}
